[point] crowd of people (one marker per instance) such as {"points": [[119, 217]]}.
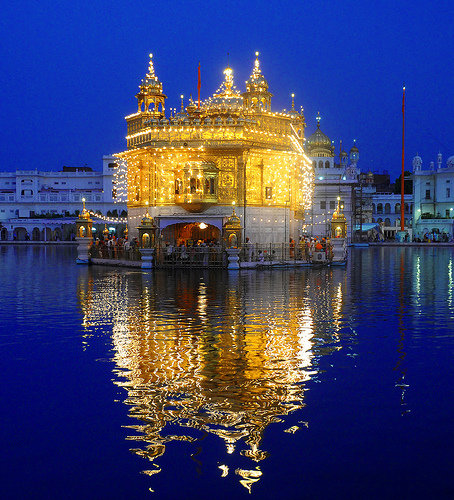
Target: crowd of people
{"points": [[111, 247], [192, 251], [303, 250]]}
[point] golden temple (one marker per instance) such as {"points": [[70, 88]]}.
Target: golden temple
{"points": [[230, 148]]}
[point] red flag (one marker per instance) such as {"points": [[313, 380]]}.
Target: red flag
{"points": [[199, 84]]}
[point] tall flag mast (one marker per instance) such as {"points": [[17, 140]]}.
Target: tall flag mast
{"points": [[199, 84], [402, 205]]}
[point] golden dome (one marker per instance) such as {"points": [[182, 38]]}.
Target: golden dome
{"points": [[319, 144], [256, 82], [227, 98], [233, 222], [338, 215], [151, 83], [85, 214]]}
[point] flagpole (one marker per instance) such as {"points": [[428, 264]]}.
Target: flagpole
{"points": [[199, 84], [402, 203]]}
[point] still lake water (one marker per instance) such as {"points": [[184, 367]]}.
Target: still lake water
{"points": [[300, 383]]}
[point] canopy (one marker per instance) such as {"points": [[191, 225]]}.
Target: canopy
{"points": [[367, 227]]}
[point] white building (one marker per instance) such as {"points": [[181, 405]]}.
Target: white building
{"points": [[386, 212], [28, 196], [332, 180], [433, 191]]}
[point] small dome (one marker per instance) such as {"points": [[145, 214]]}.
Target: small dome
{"points": [[450, 161], [344, 154], [319, 144], [226, 99], [151, 82], [318, 138], [84, 214], [256, 82], [148, 220], [354, 149], [233, 221]]}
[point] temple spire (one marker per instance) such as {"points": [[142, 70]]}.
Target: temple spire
{"points": [[151, 73], [318, 118], [256, 70], [257, 97], [228, 79]]}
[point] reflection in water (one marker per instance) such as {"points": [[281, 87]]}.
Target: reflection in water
{"points": [[214, 353]]}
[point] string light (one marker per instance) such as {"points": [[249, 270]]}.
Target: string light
{"points": [[187, 160]]}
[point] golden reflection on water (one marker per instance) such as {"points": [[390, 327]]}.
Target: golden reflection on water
{"points": [[214, 353]]}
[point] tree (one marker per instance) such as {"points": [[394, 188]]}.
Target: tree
{"points": [[408, 183]]}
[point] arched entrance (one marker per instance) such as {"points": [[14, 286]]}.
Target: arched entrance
{"points": [[20, 233], [36, 234], [189, 233], [4, 234], [46, 234]]}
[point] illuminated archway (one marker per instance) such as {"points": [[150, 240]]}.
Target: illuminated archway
{"points": [[187, 232]]}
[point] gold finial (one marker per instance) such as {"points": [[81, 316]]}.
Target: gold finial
{"points": [[228, 72], [293, 102], [182, 102], [147, 215], [83, 201], [233, 208], [150, 73], [318, 118], [256, 63]]}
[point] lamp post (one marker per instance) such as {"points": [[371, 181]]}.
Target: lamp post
{"points": [[83, 235]]}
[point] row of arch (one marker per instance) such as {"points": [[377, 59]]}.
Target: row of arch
{"points": [[22, 234], [387, 221], [381, 208], [321, 164]]}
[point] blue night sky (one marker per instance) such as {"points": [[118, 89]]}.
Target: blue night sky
{"points": [[70, 70]]}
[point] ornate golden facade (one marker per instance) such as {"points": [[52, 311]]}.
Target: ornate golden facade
{"points": [[230, 148]]}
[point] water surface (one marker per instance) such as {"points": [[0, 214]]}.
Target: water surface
{"points": [[300, 383]]}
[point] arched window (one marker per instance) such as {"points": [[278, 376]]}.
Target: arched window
{"points": [[320, 164], [397, 208], [380, 208], [314, 163], [374, 208], [326, 164], [407, 208], [387, 222], [387, 208]]}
